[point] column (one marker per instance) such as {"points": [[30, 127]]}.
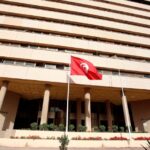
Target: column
{"points": [[45, 106], [3, 93], [126, 111], [11, 106], [78, 115], [109, 115], [2, 97], [87, 98]]}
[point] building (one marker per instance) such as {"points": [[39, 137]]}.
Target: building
{"points": [[37, 39]]}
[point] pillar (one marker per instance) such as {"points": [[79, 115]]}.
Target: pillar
{"points": [[45, 106], [109, 115], [87, 98], [126, 111], [3, 93], [2, 97], [10, 107], [78, 109]]}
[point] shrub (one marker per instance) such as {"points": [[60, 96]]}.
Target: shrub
{"points": [[64, 141], [92, 138], [34, 126], [52, 127], [86, 138], [76, 138], [121, 129], [142, 138], [33, 137], [115, 128], [96, 129], [61, 127], [82, 128], [102, 128], [44, 126], [118, 138], [51, 138], [14, 137], [71, 127]]}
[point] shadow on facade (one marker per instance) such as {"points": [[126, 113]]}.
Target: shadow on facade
{"points": [[29, 111]]}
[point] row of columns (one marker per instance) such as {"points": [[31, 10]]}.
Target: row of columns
{"points": [[87, 98], [88, 117]]}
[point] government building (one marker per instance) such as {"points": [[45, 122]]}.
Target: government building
{"points": [[37, 40]]}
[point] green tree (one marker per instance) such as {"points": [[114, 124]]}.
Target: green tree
{"points": [[34, 126], [64, 141]]}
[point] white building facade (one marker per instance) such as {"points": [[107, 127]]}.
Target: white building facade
{"points": [[37, 39]]}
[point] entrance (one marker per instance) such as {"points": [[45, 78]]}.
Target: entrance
{"points": [[27, 113]]}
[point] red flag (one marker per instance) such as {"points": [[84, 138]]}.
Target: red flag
{"points": [[83, 67]]}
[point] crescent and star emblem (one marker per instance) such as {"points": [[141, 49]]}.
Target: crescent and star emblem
{"points": [[85, 67]]}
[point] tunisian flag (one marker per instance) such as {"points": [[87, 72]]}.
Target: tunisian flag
{"points": [[83, 67]]}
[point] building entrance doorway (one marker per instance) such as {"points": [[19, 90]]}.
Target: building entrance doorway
{"points": [[27, 113]]}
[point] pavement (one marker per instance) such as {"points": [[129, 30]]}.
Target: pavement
{"points": [[29, 148]]}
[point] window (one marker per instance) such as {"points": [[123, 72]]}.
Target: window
{"points": [[59, 66], [40, 64], [52, 49], [66, 68], [147, 75], [8, 62], [107, 72], [29, 64], [115, 72], [1, 60], [20, 63], [48, 66]]}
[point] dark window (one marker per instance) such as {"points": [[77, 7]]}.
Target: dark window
{"points": [[40, 64], [147, 75], [58, 66]]}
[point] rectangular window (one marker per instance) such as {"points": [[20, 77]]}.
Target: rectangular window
{"points": [[147, 75], [1, 60], [115, 72], [30, 64], [48, 66], [8, 62], [107, 72], [66, 68], [58, 66], [40, 64], [20, 63]]}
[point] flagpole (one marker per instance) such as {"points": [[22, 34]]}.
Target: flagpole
{"points": [[126, 114], [68, 92], [122, 90]]}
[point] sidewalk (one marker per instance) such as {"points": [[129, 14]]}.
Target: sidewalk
{"points": [[28, 148]]}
